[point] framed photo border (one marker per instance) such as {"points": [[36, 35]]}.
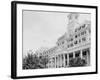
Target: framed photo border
{"points": [[14, 38]]}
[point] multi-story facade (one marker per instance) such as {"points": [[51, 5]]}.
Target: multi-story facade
{"points": [[75, 43]]}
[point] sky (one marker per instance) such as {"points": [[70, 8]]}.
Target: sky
{"points": [[42, 29]]}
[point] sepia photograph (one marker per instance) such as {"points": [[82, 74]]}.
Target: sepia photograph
{"points": [[53, 40]]}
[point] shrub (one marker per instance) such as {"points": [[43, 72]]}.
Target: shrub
{"points": [[75, 62]]}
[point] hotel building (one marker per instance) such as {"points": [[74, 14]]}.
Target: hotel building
{"points": [[75, 43]]}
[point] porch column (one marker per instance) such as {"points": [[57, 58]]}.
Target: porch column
{"points": [[59, 60], [81, 56], [55, 62], [64, 60], [73, 54], [67, 59], [51, 62], [87, 56]]}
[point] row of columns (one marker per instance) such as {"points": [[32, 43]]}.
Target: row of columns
{"points": [[62, 61]]}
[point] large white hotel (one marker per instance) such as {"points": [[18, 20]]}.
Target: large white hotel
{"points": [[75, 43]]}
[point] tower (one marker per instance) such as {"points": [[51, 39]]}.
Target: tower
{"points": [[72, 22]]}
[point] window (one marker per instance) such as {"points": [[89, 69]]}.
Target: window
{"points": [[70, 55], [75, 42], [84, 39], [68, 46], [63, 42], [77, 53], [62, 46], [84, 52], [89, 38], [79, 28], [75, 30], [75, 36], [71, 39], [82, 33], [78, 35], [79, 40], [89, 30], [85, 32], [71, 44]]}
